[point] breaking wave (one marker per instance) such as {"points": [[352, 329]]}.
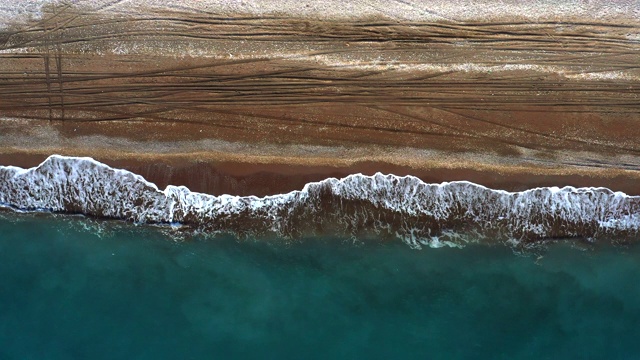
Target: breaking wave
{"points": [[383, 205]]}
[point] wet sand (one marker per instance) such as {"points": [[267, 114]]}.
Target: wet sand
{"points": [[226, 101]]}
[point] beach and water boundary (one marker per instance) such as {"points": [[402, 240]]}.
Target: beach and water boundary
{"points": [[387, 206]]}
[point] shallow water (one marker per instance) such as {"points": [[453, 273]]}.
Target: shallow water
{"points": [[134, 293]]}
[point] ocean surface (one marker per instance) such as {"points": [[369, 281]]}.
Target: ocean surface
{"points": [[76, 288]]}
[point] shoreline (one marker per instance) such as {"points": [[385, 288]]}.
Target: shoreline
{"points": [[406, 208]]}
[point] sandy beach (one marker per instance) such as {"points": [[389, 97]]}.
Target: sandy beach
{"points": [[230, 98]]}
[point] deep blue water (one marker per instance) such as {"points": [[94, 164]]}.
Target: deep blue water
{"points": [[133, 293]]}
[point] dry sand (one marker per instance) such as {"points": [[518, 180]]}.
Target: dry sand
{"points": [[232, 97]]}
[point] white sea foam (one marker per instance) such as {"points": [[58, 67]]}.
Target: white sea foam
{"points": [[405, 207]]}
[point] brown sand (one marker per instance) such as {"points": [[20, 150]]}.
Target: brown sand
{"points": [[245, 104]]}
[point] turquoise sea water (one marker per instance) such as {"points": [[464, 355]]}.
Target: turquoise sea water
{"points": [[133, 293]]}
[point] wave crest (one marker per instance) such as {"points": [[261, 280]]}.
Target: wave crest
{"points": [[386, 205]]}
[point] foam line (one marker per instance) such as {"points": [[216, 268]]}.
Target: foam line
{"points": [[386, 205]]}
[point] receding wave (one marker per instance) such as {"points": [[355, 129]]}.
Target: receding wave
{"points": [[387, 206]]}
